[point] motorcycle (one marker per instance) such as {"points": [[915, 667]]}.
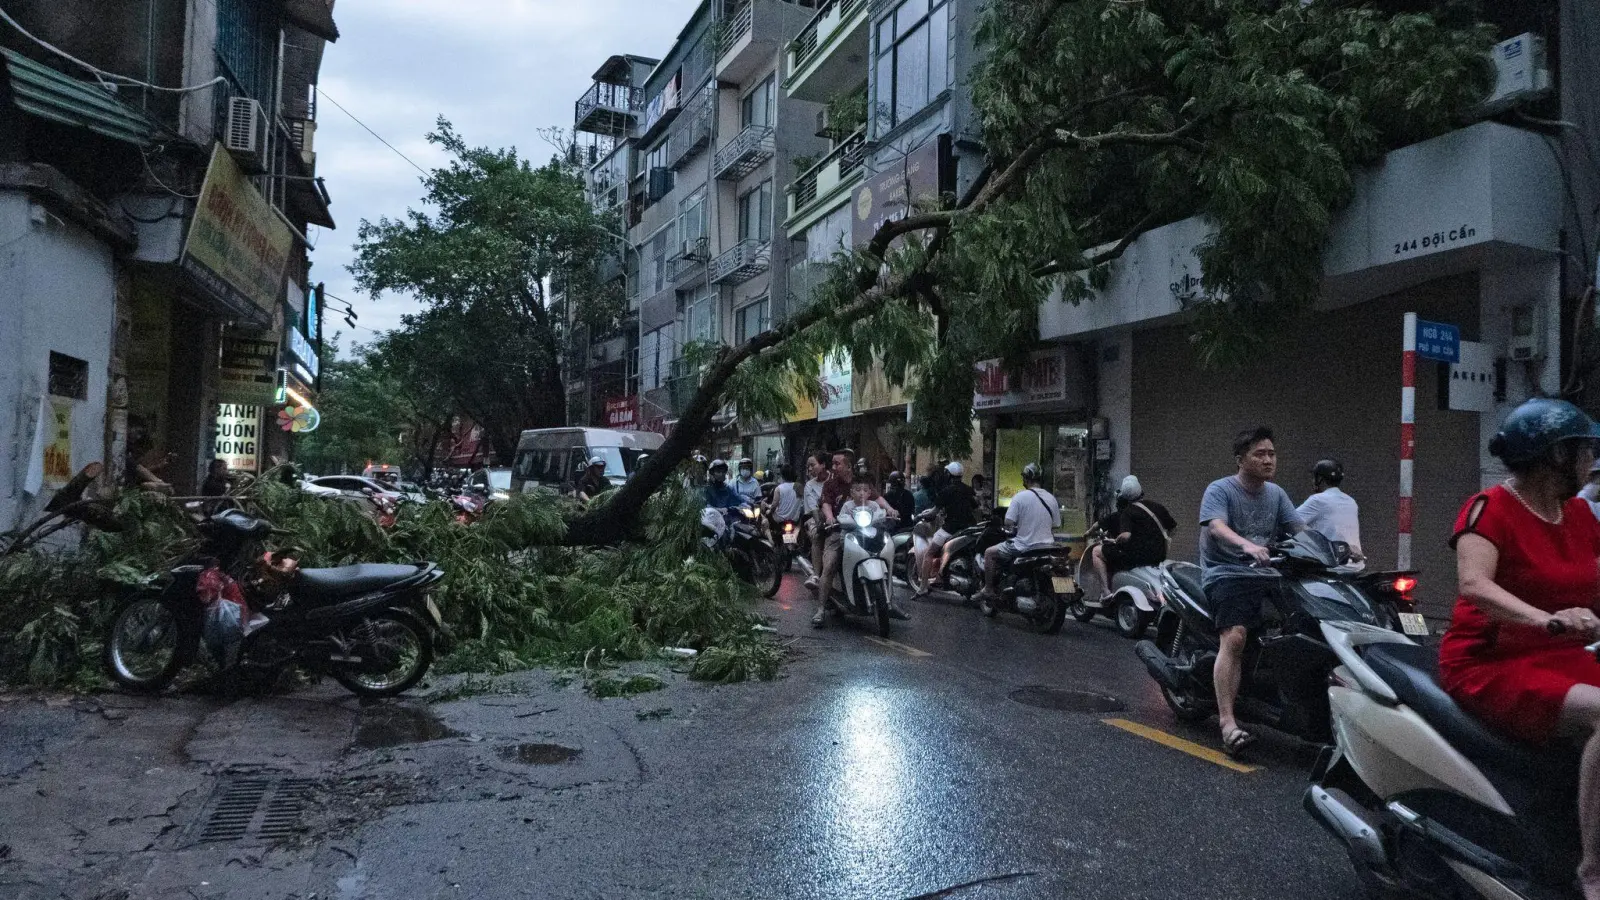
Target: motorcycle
{"points": [[372, 627], [1286, 664], [469, 505], [1428, 802], [1132, 601], [792, 535], [866, 559], [742, 538], [959, 568], [1031, 588]]}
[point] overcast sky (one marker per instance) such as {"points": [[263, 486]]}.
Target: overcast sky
{"points": [[498, 69]]}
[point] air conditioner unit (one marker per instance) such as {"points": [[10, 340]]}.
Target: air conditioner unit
{"points": [[1522, 74], [246, 133], [823, 130], [695, 249]]}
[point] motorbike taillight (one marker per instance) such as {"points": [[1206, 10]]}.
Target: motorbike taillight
{"points": [[1404, 585]]}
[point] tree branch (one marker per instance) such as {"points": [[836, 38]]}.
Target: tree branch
{"points": [[1104, 256]]}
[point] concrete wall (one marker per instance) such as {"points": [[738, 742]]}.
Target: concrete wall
{"points": [[59, 295]]}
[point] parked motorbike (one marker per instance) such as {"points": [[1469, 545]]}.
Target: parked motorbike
{"points": [[1036, 586], [1428, 802], [866, 559], [372, 627], [1286, 664], [751, 553], [1132, 600], [469, 505]]}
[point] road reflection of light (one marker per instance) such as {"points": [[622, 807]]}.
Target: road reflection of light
{"points": [[872, 788]]}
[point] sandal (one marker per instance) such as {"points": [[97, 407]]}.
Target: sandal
{"points": [[1237, 741]]}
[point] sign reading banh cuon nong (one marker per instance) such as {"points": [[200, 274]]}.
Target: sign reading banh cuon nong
{"points": [[237, 247]]}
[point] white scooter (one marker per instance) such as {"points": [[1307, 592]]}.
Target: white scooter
{"points": [[866, 562], [1132, 602], [1429, 802]]}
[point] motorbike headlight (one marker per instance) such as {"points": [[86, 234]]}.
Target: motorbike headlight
{"points": [[863, 518], [750, 512]]}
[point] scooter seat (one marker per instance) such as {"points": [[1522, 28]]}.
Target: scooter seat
{"points": [[1187, 575], [1412, 671], [348, 580]]}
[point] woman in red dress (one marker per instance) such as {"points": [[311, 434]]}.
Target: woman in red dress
{"points": [[1527, 556]]}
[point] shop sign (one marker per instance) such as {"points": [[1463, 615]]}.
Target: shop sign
{"points": [[249, 370], [238, 436], [304, 356], [237, 247], [1472, 380], [658, 424], [892, 193], [1043, 380], [837, 388], [58, 452], [870, 389], [622, 413], [805, 409]]}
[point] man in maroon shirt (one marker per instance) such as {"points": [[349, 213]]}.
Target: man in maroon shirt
{"points": [[834, 494]]}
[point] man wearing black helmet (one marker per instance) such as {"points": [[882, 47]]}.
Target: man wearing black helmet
{"points": [[1035, 515], [1331, 512], [904, 503]]}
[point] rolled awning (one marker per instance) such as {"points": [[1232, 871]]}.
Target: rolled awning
{"points": [[41, 91]]}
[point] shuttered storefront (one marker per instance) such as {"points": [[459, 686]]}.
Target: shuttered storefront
{"points": [[1332, 388]]}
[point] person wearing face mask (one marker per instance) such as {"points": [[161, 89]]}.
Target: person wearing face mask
{"points": [[747, 485]]}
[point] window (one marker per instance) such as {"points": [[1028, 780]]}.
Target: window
{"points": [[760, 104], [755, 214], [752, 320], [913, 59], [700, 318], [659, 176], [69, 376], [655, 358], [661, 249], [692, 217]]}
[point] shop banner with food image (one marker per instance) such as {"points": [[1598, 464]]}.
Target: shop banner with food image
{"points": [[58, 452], [237, 248]]}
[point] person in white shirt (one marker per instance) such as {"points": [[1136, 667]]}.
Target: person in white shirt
{"points": [[786, 505], [817, 468], [1591, 491], [1332, 513], [1035, 514]]}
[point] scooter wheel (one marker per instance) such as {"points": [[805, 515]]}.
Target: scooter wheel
{"points": [[988, 609], [1082, 611]]}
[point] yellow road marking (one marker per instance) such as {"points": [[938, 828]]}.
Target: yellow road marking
{"points": [[1181, 745], [896, 645]]}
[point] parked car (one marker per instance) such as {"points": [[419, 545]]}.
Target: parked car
{"points": [[553, 458], [356, 486], [495, 482]]}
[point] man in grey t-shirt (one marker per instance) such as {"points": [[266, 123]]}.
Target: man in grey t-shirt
{"points": [[1239, 516]]}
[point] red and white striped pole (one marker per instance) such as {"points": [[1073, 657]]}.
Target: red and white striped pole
{"points": [[1408, 438]]}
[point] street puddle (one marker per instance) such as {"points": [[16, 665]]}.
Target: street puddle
{"points": [[539, 754], [1064, 700], [396, 726]]}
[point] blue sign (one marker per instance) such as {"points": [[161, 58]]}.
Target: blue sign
{"points": [[1438, 341]]}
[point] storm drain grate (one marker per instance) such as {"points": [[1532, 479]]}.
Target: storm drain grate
{"points": [[267, 808], [1064, 700]]}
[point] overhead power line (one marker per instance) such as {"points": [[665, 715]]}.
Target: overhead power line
{"points": [[101, 74], [353, 118]]}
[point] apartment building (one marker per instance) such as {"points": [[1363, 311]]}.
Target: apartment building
{"points": [[153, 235]]}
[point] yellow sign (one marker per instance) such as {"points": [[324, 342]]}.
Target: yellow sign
{"points": [[871, 390], [237, 248], [58, 453], [1013, 449]]}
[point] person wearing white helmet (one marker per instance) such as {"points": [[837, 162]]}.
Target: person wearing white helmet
{"points": [[1035, 514], [1138, 533], [594, 481], [959, 505]]}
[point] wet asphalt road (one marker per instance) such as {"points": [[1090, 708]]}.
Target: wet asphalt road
{"points": [[870, 771]]}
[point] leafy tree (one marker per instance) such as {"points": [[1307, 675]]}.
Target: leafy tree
{"points": [[502, 238], [362, 416], [1104, 119]]}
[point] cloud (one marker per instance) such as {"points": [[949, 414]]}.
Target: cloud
{"points": [[499, 70]]}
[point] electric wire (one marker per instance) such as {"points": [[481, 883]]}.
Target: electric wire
{"points": [[101, 74], [353, 118]]}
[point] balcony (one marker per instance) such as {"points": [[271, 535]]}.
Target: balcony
{"points": [[745, 153], [747, 39], [689, 265], [745, 261], [693, 131], [608, 109], [826, 184], [830, 55]]}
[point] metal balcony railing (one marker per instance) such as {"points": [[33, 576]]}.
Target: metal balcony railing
{"points": [[739, 24], [745, 261], [693, 130], [608, 108], [689, 264], [841, 162], [832, 12], [745, 153]]}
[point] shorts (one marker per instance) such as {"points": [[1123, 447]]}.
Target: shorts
{"points": [[1010, 550], [1239, 595], [939, 537]]}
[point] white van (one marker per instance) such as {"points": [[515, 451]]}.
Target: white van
{"points": [[554, 458]]}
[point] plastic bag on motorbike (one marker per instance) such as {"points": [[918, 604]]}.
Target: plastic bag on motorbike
{"points": [[715, 522], [227, 615]]}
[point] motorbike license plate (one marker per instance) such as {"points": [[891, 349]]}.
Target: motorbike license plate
{"points": [[1063, 585], [433, 611], [1414, 624], [791, 537]]}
